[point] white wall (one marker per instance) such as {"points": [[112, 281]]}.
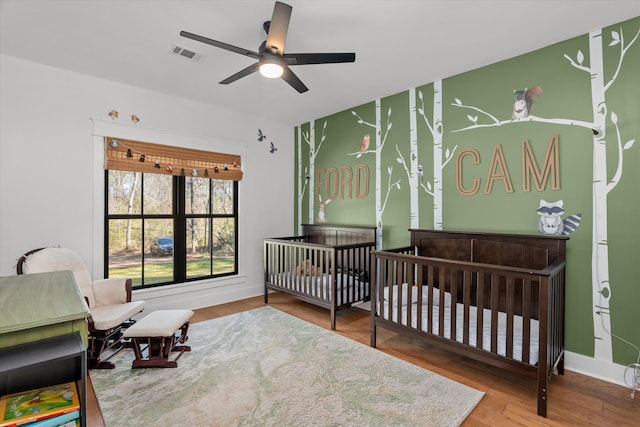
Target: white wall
{"points": [[51, 179]]}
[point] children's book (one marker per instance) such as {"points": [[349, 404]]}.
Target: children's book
{"points": [[65, 420], [38, 404]]}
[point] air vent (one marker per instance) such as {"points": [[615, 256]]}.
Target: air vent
{"points": [[186, 53]]}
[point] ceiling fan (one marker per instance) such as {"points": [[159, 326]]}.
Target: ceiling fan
{"points": [[272, 61]]}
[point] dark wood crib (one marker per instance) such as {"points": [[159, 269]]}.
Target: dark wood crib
{"points": [[328, 265], [496, 298]]}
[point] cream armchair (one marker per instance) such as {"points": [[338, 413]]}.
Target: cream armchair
{"points": [[109, 300]]}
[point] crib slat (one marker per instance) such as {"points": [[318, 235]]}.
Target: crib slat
{"points": [[401, 278], [420, 282], [454, 299], [385, 283], [409, 280], [336, 281], [354, 290], [466, 300], [510, 303], [526, 321], [295, 256], [345, 290], [306, 285], [480, 311], [441, 285], [430, 281], [327, 287], [302, 282], [495, 284]]}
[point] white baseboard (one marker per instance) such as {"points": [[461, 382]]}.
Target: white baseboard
{"points": [[596, 368], [196, 295]]}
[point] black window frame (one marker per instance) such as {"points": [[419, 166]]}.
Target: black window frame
{"points": [[180, 218]]}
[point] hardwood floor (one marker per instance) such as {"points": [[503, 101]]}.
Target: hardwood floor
{"points": [[510, 399]]}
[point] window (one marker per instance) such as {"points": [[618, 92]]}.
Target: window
{"points": [[171, 213], [163, 229]]}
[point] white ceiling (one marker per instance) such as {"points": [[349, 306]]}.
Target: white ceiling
{"points": [[398, 44]]}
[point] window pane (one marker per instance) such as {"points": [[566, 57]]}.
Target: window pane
{"points": [[158, 262], [196, 195], [223, 245], [198, 247], [158, 194], [124, 192], [125, 249], [222, 196]]}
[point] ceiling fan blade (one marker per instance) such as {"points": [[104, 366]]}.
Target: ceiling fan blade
{"points": [[278, 28], [318, 58], [289, 77], [221, 45], [240, 74]]}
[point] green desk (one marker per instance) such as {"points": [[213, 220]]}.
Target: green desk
{"points": [[42, 305]]}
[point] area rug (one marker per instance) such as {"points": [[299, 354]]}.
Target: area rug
{"points": [[266, 368]]}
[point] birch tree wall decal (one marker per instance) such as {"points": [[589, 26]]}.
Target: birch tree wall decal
{"points": [[602, 185], [302, 180], [603, 347], [433, 187], [412, 178], [379, 145], [310, 140], [415, 168]]}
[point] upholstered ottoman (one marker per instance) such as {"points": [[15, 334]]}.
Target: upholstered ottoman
{"points": [[154, 337]]}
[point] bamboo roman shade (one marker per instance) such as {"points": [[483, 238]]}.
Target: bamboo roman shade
{"points": [[137, 156]]}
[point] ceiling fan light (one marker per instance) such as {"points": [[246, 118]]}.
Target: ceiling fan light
{"points": [[271, 70]]}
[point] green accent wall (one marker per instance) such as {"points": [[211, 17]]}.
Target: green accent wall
{"points": [[449, 155]]}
